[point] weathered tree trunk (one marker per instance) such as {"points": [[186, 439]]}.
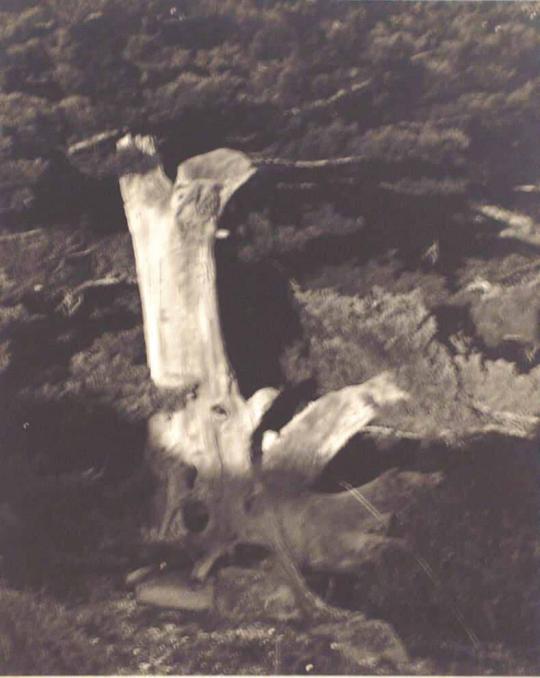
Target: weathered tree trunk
{"points": [[200, 447], [209, 497]]}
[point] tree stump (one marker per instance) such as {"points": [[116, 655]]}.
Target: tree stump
{"points": [[210, 496]]}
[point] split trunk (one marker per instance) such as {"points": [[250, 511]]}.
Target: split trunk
{"points": [[210, 496]]}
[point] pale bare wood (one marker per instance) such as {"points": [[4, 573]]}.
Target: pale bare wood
{"points": [[200, 451], [196, 448], [260, 402], [311, 439]]}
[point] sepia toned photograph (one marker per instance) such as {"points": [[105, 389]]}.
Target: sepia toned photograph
{"points": [[269, 337]]}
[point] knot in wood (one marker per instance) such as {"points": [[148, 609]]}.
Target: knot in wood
{"points": [[219, 411]]}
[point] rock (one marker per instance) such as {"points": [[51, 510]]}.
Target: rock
{"points": [[175, 590], [243, 594], [136, 577]]}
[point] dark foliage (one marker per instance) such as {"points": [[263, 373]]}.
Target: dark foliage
{"points": [[441, 96]]}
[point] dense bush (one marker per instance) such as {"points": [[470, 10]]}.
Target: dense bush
{"points": [[350, 340], [509, 314]]}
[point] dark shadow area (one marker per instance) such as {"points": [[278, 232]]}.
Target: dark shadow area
{"points": [[453, 319], [61, 337], [70, 435], [364, 458], [480, 534], [408, 224], [470, 556], [65, 195], [497, 248], [258, 318], [198, 130], [195, 32], [74, 482]]}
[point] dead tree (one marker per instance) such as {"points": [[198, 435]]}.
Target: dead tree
{"points": [[210, 496]]}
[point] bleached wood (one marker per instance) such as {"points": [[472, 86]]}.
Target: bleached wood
{"points": [[260, 402], [308, 442], [173, 229], [200, 451]]}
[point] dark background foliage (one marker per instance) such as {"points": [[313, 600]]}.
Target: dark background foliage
{"points": [[449, 90]]}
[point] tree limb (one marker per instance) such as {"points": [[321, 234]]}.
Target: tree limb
{"points": [[309, 441], [320, 104]]}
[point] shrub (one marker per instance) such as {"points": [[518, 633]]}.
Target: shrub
{"points": [[264, 239], [350, 340], [510, 313]]}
